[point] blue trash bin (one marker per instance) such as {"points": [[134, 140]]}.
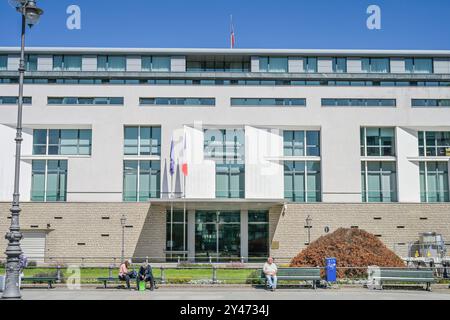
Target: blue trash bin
{"points": [[330, 269]]}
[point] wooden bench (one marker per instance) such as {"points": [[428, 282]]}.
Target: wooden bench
{"points": [[300, 274], [383, 275], [48, 280], [116, 280]]}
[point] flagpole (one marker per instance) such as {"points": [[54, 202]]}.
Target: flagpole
{"points": [[231, 31]]}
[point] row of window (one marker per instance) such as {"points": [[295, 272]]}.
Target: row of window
{"points": [[14, 100], [85, 100], [339, 65], [379, 184], [228, 144], [62, 142], [266, 64], [302, 181], [111, 63], [298, 102], [178, 101], [226, 147], [226, 82]]}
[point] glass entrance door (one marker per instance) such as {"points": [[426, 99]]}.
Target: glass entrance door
{"points": [[217, 235]]}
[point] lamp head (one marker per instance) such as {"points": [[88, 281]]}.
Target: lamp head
{"points": [[123, 220], [28, 9], [32, 13]]}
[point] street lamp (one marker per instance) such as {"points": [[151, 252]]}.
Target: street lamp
{"points": [[308, 225], [30, 16], [123, 221]]}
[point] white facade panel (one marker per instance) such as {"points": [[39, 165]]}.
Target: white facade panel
{"points": [[13, 62], [89, 63], [45, 62], [397, 65], [7, 161], [354, 65], [325, 65], [178, 64], [201, 179], [295, 65], [134, 63], [254, 64], [407, 145], [441, 66], [263, 170]]}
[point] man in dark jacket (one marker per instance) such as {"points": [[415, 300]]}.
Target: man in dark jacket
{"points": [[145, 274]]}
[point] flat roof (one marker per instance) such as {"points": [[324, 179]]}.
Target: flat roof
{"points": [[225, 51]]}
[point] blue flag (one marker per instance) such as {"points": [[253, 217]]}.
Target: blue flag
{"points": [[172, 160]]}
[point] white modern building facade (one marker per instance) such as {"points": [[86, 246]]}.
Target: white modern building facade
{"points": [[224, 154]]}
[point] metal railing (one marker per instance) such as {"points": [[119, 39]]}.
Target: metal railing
{"points": [[191, 274]]}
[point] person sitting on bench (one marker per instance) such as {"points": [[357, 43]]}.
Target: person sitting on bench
{"points": [[124, 274], [145, 274], [270, 270]]}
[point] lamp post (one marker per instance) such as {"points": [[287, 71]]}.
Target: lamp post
{"points": [[123, 221], [30, 15], [308, 225]]}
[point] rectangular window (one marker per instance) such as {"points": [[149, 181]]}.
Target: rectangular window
{"points": [[379, 181], [301, 143], [66, 63], [176, 233], [269, 102], [141, 180], [273, 64], [340, 65], [310, 64], [49, 180], [177, 101], [230, 180], [3, 62], [85, 100], [224, 145], [227, 148], [302, 181], [217, 66], [434, 182], [62, 141], [377, 142], [111, 63], [434, 144], [156, 64], [432, 103], [360, 102], [31, 62], [14, 100], [375, 65], [143, 141], [258, 234], [419, 65]]}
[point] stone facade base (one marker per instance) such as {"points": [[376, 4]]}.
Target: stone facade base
{"points": [[93, 230], [396, 225]]}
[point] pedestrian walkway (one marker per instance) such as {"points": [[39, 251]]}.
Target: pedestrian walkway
{"points": [[247, 293]]}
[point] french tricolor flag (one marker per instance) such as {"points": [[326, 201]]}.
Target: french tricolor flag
{"points": [[232, 36], [184, 166]]}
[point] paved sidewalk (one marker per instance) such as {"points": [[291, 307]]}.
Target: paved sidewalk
{"points": [[234, 293]]}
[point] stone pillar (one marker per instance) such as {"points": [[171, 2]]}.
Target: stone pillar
{"points": [[191, 235], [244, 234]]}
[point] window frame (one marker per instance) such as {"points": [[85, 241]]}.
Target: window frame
{"points": [[138, 174], [60, 172]]}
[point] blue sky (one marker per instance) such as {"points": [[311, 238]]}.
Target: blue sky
{"points": [[337, 24]]}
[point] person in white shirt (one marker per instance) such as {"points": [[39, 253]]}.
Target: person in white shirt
{"points": [[270, 270]]}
